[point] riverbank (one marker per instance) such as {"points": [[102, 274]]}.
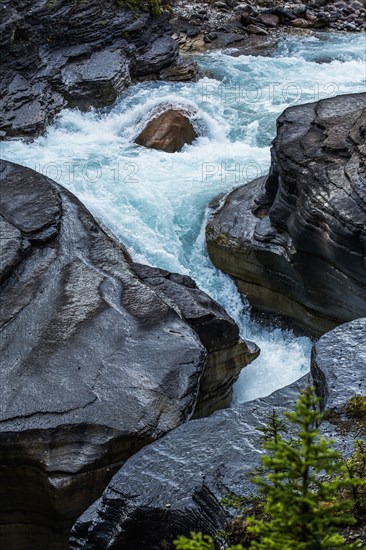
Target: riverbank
{"points": [[107, 48], [156, 202], [102, 355], [254, 27]]}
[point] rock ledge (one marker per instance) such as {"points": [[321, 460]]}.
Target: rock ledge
{"points": [[295, 241]]}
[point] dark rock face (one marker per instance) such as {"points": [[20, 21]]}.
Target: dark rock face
{"points": [[97, 82], [175, 485], [57, 53], [95, 363], [169, 132], [183, 69], [338, 369], [217, 331], [295, 241]]}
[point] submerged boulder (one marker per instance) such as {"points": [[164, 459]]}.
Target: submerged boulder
{"points": [[95, 362], [295, 241], [168, 131], [176, 484]]}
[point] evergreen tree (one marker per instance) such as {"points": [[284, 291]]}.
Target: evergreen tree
{"points": [[303, 484], [274, 428], [356, 471], [301, 487]]}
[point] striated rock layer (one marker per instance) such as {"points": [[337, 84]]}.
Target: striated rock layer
{"points": [[76, 53], [99, 357], [295, 241], [176, 484]]}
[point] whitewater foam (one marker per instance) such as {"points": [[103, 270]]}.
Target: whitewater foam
{"points": [[156, 202]]}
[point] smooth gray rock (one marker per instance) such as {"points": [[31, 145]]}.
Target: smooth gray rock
{"points": [[338, 364], [95, 363], [176, 484], [227, 354], [295, 241]]}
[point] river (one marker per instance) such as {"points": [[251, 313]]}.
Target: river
{"points": [[157, 203]]}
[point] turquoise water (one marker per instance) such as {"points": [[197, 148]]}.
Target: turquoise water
{"points": [[156, 202]]}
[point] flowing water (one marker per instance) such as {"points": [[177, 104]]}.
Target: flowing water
{"points": [[157, 203]]}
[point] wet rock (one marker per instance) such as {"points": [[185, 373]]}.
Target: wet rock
{"points": [[161, 53], [193, 467], [219, 5], [295, 241], [285, 15], [95, 362], [27, 108], [246, 19], [300, 23], [242, 7], [227, 354], [183, 69], [338, 364], [311, 17], [96, 81], [254, 29], [269, 20], [231, 19], [299, 11], [323, 20], [106, 47], [168, 131], [254, 44]]}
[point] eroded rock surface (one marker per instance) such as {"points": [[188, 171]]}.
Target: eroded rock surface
{"points": [[95, 363], [168, 131], [295, 241], [227, 354], [176, 484], [338, 364], [57, 53]]}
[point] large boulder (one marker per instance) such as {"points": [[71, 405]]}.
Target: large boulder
{"points": [[227, 354], [95, 362], [295, 241], [176, 484], [106, 47], [168, 131]]}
